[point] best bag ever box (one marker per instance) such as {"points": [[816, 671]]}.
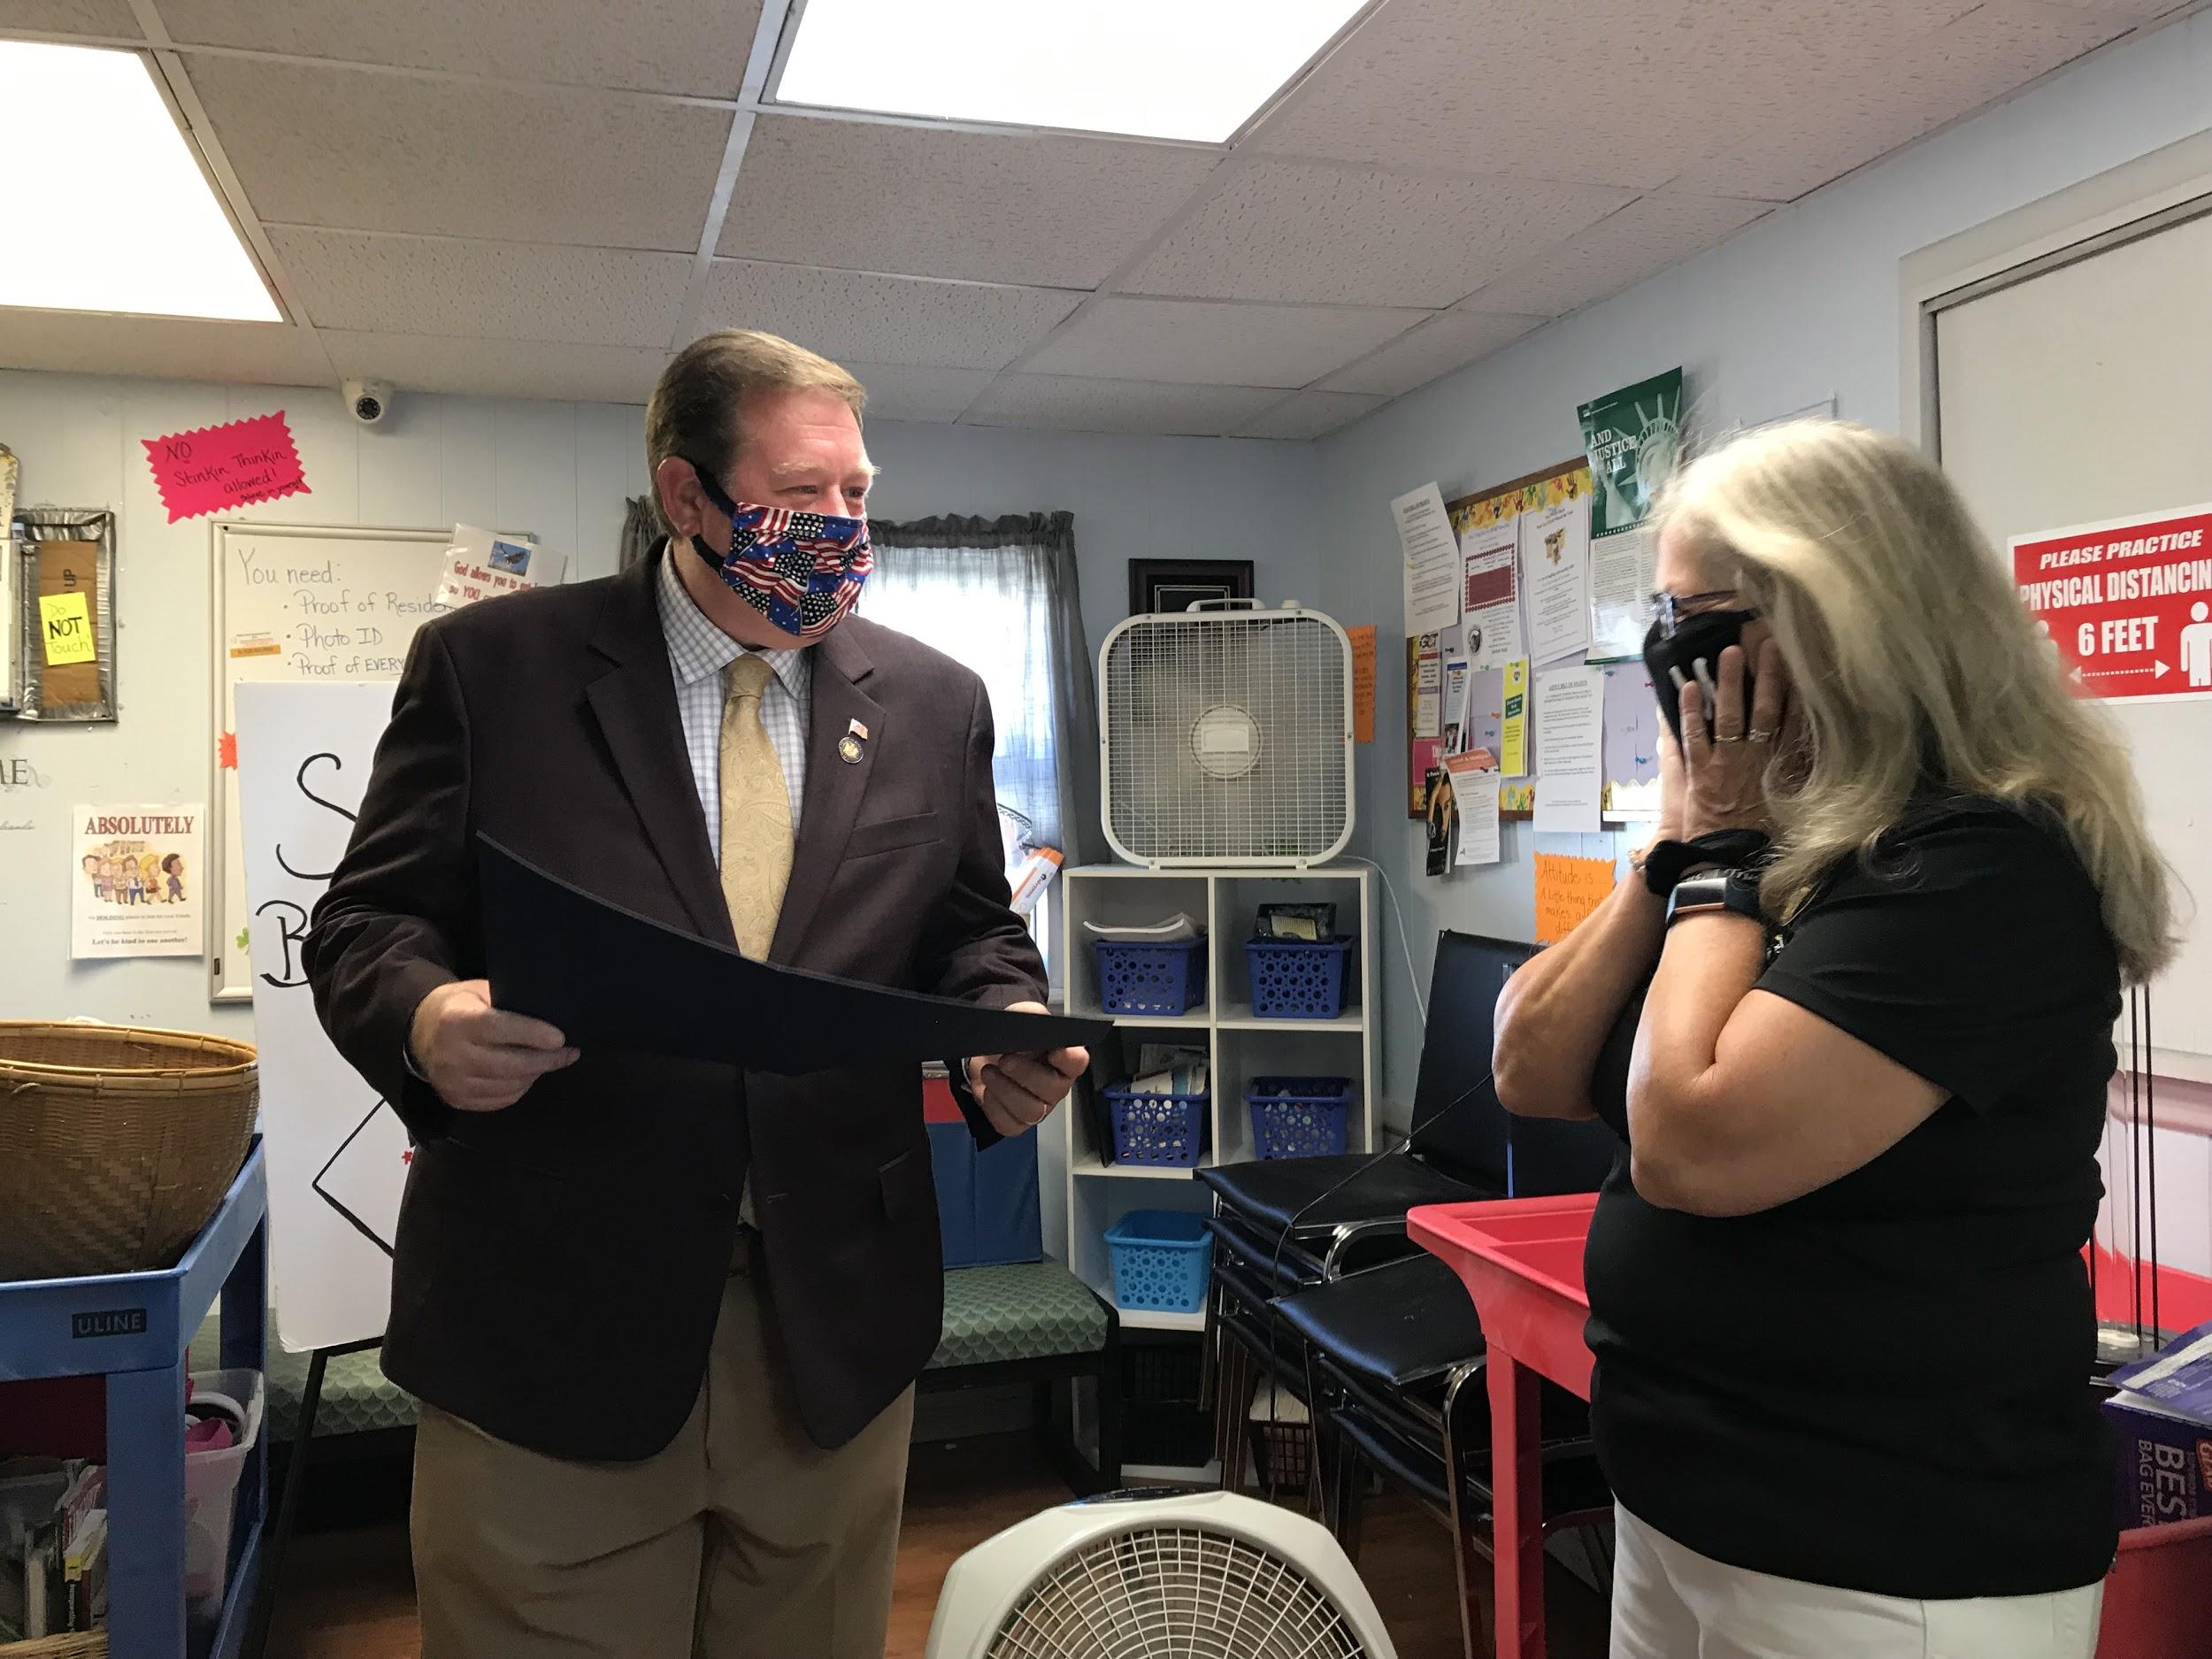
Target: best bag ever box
{"points": [[2163, 1416]]}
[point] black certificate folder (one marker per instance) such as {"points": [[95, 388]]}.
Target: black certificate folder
{"points": [[608, 977]]}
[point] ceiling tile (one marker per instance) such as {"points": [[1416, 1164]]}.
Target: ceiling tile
{"points": [[108, 19], [1068, 404], [1023, 208], [1630, 94], [1294, 231], [699, 49], [1214, 342], [898, 391], [358, 149], [1448, 341], [1618, 251], [882, 319], [1993, 50], [2126, 11], [1305, 415], [498, 368], [167, 347], [498, 290]]}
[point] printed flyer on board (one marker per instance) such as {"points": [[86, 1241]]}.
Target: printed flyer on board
{"points": [[135, 881]]}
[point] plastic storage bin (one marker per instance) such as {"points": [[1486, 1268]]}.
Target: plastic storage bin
{"points": [[211, 1495], [1162, 1260], [1165, 1131], [2154, 1596], [1299, 1117], [1135, 978], [1296, 978]]}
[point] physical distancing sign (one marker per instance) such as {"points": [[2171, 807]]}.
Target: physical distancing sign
{"points": [[2127, 606]]}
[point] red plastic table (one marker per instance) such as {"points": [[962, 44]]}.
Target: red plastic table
{"points": [[1521, 1260]]}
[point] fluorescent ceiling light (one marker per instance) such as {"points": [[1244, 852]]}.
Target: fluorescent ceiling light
{"points": [[109, 209], [1186, 69]]}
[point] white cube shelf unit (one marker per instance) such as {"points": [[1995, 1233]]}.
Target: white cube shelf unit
{"points": [[1094, 1192]]}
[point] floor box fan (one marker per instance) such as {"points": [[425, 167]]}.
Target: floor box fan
{"points": [[1226, 736], [1142, 1575]]}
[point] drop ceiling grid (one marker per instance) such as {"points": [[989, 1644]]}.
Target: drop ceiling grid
{"points": [[696, 50], [1632, 94], [353, 149], [497, 196], [1215, 343], [1041, 210], [435, 285], [1300, 231], [1995, 50]]}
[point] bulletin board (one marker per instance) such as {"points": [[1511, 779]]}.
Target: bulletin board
{"points": [[1482, 509], [309, 604]]}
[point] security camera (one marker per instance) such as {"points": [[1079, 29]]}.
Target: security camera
{"points": [[368, 402]]}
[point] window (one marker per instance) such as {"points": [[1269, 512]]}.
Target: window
{"points": [[1000, 597]]}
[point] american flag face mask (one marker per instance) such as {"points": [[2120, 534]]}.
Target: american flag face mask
{"points": [[803, 571]]}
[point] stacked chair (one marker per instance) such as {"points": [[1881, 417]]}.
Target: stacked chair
{"points": [[1315, 1284]]}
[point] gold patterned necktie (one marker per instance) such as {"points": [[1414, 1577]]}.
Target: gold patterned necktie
{"points": [[755, 811]]}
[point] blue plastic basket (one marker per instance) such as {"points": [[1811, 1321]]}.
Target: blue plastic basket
{"points": [[1297, 979], [1162, 1260], [1168, 978], [1299, 1117], [1170, 1131]]}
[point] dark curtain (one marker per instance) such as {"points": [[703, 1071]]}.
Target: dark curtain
{"points": [[640, 531]]}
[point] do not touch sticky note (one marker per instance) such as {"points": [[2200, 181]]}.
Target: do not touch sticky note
{"points": [[65, 623]]}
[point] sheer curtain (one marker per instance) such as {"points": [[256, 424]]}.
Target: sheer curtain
{"points": [[999, 594]]}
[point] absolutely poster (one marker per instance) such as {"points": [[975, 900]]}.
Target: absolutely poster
{"points": [[135, 881], [1633, 438], [2126, 606]]}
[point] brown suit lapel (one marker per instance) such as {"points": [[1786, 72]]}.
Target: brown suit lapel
{"points": [[834, 785], [634, 701]]}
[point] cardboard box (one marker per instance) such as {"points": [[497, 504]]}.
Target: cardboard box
{"points": [[2163, 1417]]}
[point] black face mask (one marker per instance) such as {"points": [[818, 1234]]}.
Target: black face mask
{"points": [[1704, 636]]}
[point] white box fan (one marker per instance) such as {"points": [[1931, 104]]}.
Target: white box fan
{"points": [[1226, 737], [1206, 1575]]}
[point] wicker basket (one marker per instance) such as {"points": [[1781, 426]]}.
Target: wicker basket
{"points": [[93, 1644], [116, 1143]]}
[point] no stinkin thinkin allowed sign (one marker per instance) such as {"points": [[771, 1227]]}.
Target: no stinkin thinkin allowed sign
{"points": [[2127, 605]]}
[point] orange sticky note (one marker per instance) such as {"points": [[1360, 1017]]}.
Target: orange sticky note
{"points": [[1363, 682], [1567, 890]]}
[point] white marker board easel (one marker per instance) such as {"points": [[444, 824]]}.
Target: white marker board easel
{"points": [[2080, 391], [309, 604]]}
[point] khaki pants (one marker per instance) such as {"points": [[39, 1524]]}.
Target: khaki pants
{"points": [[743, 1540]]}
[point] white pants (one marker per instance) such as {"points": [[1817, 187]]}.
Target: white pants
{"points": [[1670, 1602]]}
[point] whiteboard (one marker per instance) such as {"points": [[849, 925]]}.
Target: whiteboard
{"points": [[2082, 392], [308, 605]]}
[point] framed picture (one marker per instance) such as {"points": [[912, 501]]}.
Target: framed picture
{"points": [[1177, 584]]}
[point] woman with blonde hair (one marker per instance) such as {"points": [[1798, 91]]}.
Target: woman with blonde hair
{"points": [[1853, 1018]]}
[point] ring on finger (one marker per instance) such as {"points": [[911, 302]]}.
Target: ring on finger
{"points": [[1759, 737], [1728, 737]]}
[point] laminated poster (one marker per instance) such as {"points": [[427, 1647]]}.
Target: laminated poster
{"points": [[134, 879], [1633, 438]]}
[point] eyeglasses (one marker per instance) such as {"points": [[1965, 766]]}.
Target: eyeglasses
{"points": [[1670, 610]]}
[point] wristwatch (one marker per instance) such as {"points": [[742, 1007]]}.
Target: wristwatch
{"points": [[1666, 862], [1733, 890]]}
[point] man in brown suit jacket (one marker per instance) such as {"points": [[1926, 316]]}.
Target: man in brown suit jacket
{"points": [[666, 1316]]}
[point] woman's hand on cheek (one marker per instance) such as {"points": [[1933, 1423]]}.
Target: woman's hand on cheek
{"points": [[1724, 772]]}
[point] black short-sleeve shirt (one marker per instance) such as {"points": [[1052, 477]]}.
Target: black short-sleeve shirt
{"points": [[1882, 1385]]}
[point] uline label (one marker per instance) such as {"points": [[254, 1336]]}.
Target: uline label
{"points": [[114, 1322]]}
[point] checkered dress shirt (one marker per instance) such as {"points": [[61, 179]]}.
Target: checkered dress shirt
{"points": [[698, 652]]}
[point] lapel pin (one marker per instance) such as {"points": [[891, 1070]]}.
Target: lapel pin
{"points": [[848, 747]]}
